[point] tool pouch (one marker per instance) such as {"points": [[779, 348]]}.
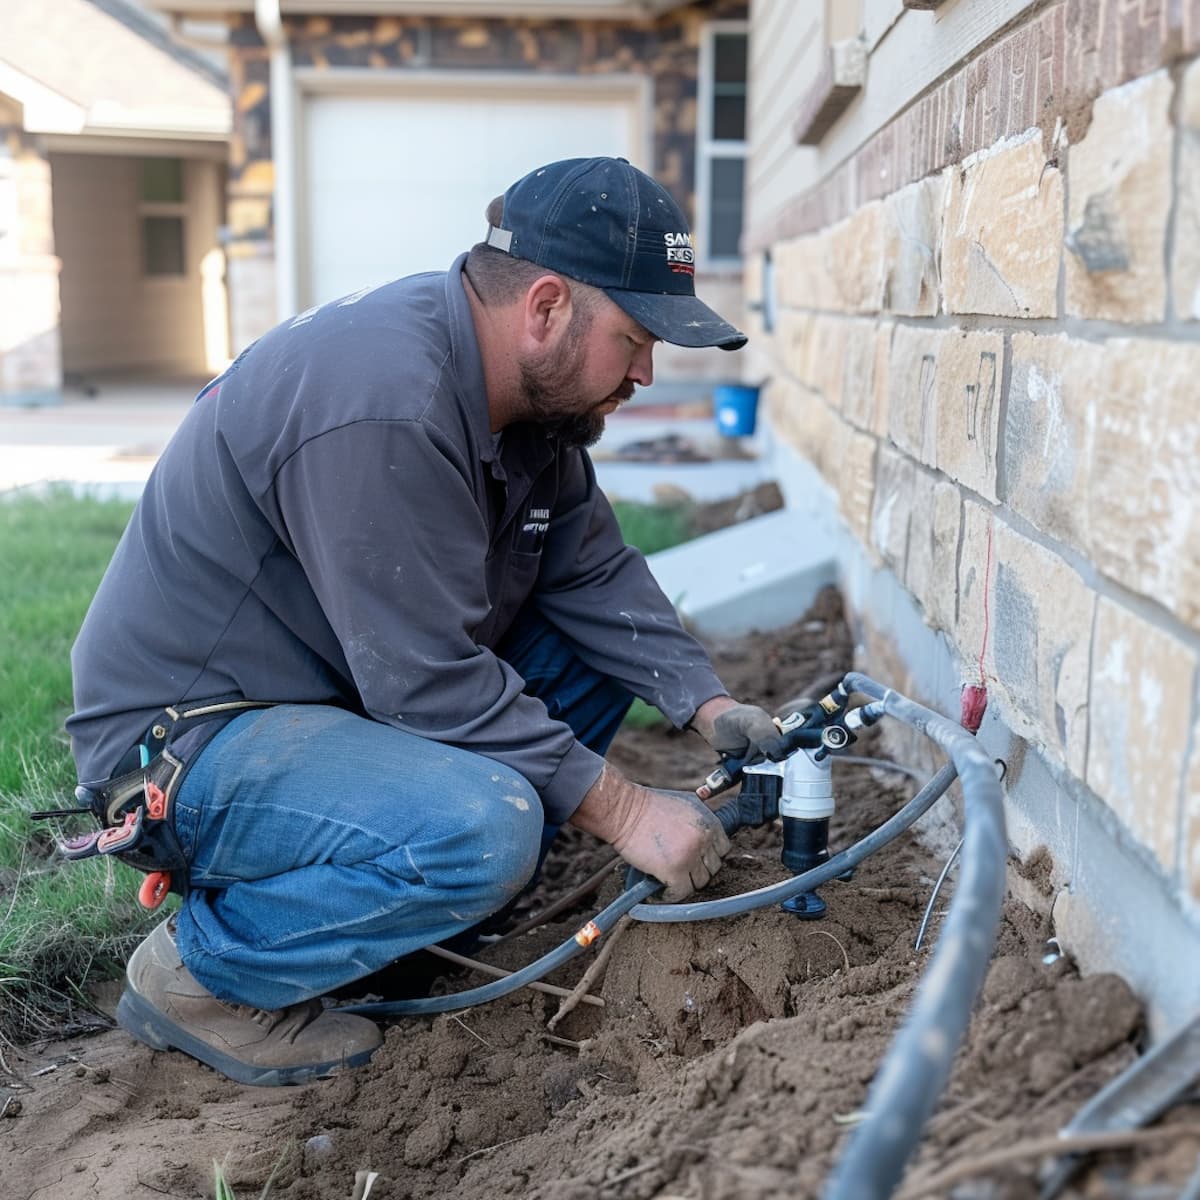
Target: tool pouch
{"points": [[135, 809]]}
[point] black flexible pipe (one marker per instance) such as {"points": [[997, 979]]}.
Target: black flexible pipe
{"points": [[918, 1063], [730, 906], [518, 979]]}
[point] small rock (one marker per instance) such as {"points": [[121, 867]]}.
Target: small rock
{"points": [[317, 1148]]}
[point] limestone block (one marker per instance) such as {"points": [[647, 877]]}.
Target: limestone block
{"points": [[800, 276], [1003, 234], [864, 394], [912, 227], [931, 570], [791, 332], [912, 391], [975, 569], [1144, 492], [1029, 616], [1049, 432], [802, 419], [1142, 682], [854, 478], [827, 359], [1039, 650], [854, 260], [891, 514], [1119, 180], [967, 386]]}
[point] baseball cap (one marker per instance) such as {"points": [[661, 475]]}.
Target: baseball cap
{"points": [[604, 222]]}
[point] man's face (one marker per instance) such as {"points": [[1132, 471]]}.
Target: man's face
{"points": [[592, 368]]}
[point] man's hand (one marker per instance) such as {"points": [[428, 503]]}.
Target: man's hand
{"points": [[738, 730], [669, 835]]}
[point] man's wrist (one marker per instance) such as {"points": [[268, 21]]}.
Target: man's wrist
{"points": [[610, 807], [703, 718]]}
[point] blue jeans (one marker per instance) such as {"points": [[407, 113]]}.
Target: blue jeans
{"points": [[325, 845]]}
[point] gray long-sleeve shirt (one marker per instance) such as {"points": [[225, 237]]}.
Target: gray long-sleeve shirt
{"points": [[332, 523]]}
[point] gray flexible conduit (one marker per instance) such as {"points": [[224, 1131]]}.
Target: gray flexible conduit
{"points": [[518, 979], [918, 1062], [776, 893]]}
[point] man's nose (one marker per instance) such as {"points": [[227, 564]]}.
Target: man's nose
{"points": [[641, 369]]}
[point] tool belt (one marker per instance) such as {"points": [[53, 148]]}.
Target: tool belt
{"points": [[135, 809]]}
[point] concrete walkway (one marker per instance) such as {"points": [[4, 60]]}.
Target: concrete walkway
{"points": [[107, 443]]}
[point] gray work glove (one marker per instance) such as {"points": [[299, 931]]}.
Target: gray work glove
{"points": [[747, 732]]}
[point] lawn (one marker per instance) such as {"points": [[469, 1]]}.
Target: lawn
{"points": [[63, 926], [60, 926]]}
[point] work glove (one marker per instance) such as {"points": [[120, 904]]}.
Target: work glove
{"points": [[747, 732], [676, 839]]}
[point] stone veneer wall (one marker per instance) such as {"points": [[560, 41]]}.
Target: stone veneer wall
{"points": [[30, 357], [665, 48], [987, 345]]}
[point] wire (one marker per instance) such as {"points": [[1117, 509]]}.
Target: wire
{"points": [[937, 887], [604, 921]]}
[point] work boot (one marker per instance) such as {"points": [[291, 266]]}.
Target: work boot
{"points": [[165, 1006]]}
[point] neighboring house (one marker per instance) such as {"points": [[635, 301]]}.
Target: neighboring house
{"points": [[972, 254], [113, 143], [369, 137]]}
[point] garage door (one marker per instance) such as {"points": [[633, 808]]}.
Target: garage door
{"points": [[397, 184]]}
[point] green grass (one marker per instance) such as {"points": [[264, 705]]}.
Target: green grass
{"points": [[651, 528], [655, 527], [54, 551], [60, 924]]}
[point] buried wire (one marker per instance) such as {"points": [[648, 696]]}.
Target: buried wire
{"points": [[937, 887]]}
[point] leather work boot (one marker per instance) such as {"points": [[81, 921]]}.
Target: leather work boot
{"points": [[166, 1007]]}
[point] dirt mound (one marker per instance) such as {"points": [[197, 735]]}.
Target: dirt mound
{"points": [[730, 1060]]}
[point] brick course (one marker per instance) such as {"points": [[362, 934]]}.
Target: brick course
{"points": [[1047, 71]]}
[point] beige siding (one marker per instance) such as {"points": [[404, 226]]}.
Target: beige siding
{"points": [[787, 44], [113, 316]]}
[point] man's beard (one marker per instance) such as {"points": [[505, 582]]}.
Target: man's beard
{"points": [[551, 392]]}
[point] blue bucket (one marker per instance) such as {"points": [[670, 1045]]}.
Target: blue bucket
{"points": [[737, 409]]}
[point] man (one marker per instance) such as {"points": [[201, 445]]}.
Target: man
{"points": [[372, 627]]}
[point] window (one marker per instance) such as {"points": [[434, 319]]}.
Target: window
{"points": [[162, 211], [721, 141]]}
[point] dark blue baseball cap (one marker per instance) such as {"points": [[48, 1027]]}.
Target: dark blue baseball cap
{"points": [[604, 222]]}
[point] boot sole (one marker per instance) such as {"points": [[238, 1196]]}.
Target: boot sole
{"points": [[142, 1021]]}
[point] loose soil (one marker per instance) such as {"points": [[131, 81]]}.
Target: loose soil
{"points": [[730, 1060]]}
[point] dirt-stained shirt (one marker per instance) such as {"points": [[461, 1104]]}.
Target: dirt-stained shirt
{"points": [[333, 523]]}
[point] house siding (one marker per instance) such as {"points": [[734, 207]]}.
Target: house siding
{"points": [[995, 297], [113, 316]]}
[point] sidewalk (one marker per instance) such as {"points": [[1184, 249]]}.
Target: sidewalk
{"points": [[106, 443], [663, 442]]}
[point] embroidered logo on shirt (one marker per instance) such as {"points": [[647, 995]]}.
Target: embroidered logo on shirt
{"points": [[532, 531]]}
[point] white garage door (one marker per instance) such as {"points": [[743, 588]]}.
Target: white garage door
{"points": [[397, 184]]}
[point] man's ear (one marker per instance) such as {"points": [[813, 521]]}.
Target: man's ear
{"points": [[547, 308]]}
